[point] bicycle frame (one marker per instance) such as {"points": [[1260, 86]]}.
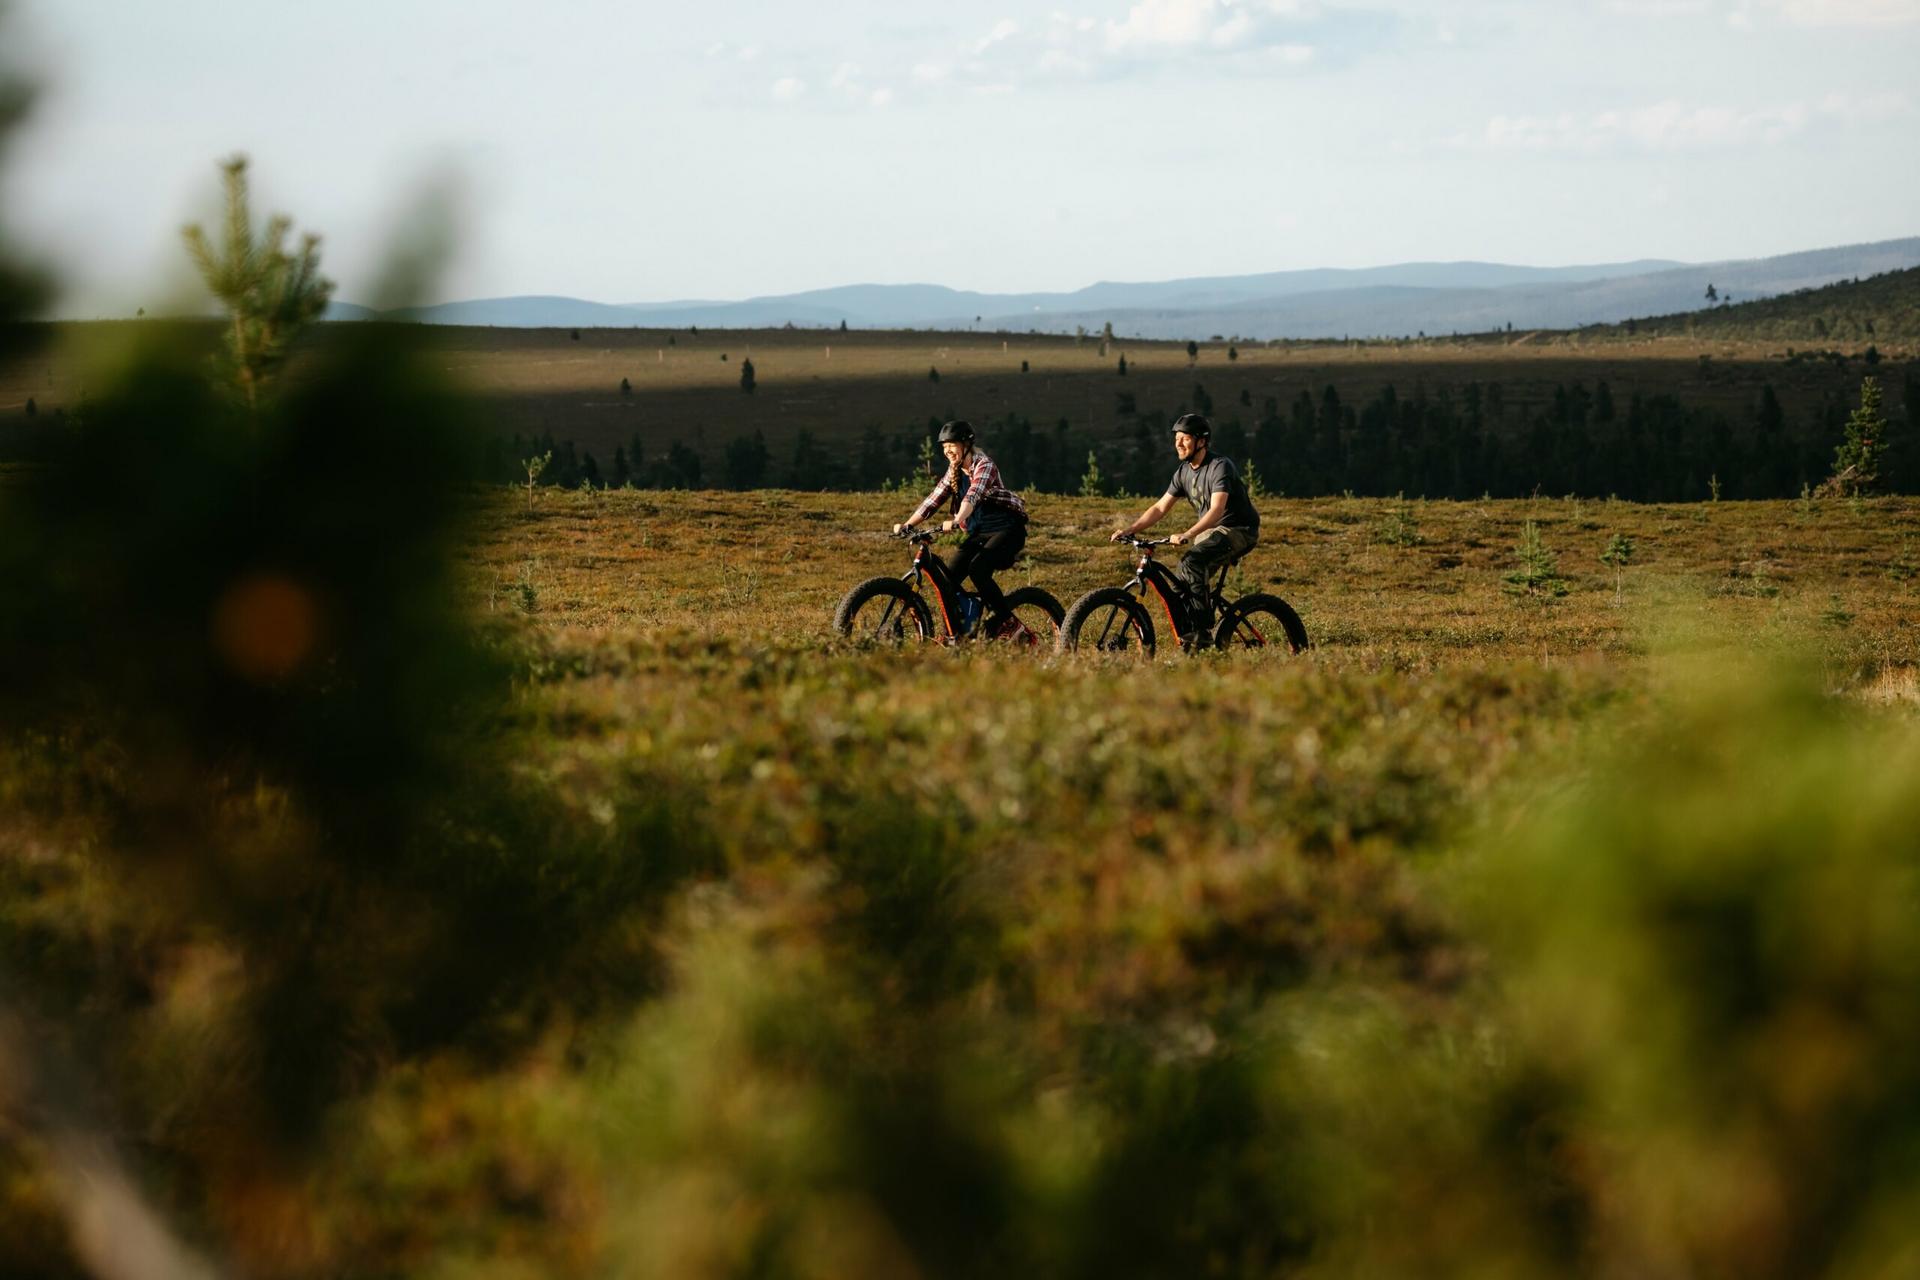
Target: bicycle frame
{"points": [[945, 590], [1150, 574]]}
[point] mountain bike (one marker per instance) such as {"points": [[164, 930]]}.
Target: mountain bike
{"points": [[1116, 619], [896, 610]]}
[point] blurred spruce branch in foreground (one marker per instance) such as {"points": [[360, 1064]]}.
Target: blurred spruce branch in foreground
{"points": [[21, 289], [269, 291]]}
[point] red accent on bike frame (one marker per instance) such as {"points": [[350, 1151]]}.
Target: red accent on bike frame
{"points": [[953, 632], [1166, 607]]}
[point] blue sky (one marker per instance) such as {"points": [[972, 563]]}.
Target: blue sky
{"points": [[634, 151]]}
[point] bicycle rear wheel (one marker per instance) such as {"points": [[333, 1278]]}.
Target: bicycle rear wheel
{"points": [[1260, 621], [1107, 620], [884, 610]]}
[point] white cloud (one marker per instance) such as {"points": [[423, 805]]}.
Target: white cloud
{"points": [[1658, 8], [1741, 14], [1059, 62], [1003, 30], [1845, 13], [1676, 126], [1238, 37], [1165, 22], [1242, 34]]}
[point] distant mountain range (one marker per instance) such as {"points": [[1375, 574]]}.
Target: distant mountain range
{"points": [[1401, 300]]}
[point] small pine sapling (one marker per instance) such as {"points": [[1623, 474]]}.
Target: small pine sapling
{"points": [[533, 467], [1537, 570], [1399, 527], [1092, 483], [1617, 555], [270, 292]]}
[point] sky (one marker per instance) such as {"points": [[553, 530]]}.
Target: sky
{"points": [[630, 152]]}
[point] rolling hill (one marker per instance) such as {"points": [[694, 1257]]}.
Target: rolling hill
{"points": [[1399, 300]]}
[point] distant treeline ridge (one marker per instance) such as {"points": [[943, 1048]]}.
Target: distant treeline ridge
{"points": [[1580, 440]]}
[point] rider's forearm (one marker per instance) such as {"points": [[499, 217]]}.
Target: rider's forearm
{"points": [[1203, 524]]}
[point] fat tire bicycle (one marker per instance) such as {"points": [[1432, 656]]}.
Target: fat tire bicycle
{"points": [[895, 610], [1116, 619]]}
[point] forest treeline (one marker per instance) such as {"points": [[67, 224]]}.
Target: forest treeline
{"points": [[1881, 308], [1445, 443]]}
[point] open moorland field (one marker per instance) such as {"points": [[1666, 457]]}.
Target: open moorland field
{"points": [[1387, 584], [429, 882]]}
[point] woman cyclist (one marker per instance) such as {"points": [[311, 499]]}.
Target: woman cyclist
{"points": [[991, 515]]}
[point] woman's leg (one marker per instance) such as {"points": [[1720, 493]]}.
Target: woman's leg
{"points": [[998, 550]]}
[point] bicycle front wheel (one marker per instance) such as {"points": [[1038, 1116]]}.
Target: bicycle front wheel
{"points": [[884, 610], [1260, 621], [1031, 620], [1107, 620]]}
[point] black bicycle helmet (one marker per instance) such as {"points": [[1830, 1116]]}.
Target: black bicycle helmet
{"points": [[958, 431], [1195, 425]]}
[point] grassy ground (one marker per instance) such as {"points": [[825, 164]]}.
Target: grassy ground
{"points": [[1410, 585], [1472, 941]]}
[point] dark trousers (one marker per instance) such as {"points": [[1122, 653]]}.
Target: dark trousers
{"points": [[981, 554], [1209, 550]]}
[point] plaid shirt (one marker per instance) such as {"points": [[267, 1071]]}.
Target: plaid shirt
{"points": [[983, 486]]}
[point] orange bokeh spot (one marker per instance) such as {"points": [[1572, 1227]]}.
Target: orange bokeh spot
{"points": [[265, 626]]}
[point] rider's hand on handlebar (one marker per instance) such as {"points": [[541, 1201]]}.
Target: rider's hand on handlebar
{"points": [[899, 529], [948, 526], [1119, 535], [1176, 539]]}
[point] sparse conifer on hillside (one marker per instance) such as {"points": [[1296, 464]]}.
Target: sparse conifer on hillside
{"points": [[1856, 463]]}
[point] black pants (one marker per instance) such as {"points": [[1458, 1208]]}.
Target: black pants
{"points": [[981, 554]]}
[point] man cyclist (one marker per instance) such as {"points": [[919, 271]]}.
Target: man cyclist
{"points": [[991, 515], [1226, 525]]}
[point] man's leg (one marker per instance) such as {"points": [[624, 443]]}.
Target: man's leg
{"points": [[1209, 549]]}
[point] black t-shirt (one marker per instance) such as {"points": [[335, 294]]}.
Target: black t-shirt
{"points": [[1216, 475]]}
